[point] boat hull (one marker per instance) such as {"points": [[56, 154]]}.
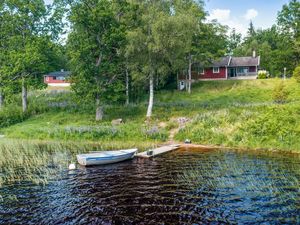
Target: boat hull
{"points": [[103, 158]]}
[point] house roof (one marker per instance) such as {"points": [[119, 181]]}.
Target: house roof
{"points": [[224, 61], [59, 73], [244, 61], [236, 61]]}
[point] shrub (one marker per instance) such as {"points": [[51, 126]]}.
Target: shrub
{"points": [[296, 74], [263, 74], [280, 94]]}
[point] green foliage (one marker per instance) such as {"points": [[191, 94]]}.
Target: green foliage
{"points": [[280, 93], [234, 40], [289, 18], [278, 46], [296, 74], [94, 49], [263, 74]]}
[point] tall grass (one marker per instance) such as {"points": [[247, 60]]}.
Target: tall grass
{"points": [[40, 161]]}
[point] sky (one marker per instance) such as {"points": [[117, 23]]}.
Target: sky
{"points": [[238, 13]]}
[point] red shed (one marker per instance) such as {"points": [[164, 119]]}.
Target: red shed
{"points": [[58, 78]]}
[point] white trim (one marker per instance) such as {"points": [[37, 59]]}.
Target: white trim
{"points": [[252, 77], [59, 84], [210, 79], [229, 61], [215, 68]]}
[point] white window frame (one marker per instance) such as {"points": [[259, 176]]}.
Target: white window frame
{"points": [[218, 69]]}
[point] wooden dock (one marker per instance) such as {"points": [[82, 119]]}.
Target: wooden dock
{"points": [[158, 151]]}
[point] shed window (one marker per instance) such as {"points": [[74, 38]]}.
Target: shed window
{"points": [[60, 78], [216, 70]]}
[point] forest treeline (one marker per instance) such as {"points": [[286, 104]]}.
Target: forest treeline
{"points": [[119, 50]]}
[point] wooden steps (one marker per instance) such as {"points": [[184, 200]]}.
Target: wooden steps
{"points": [[157, 151]]}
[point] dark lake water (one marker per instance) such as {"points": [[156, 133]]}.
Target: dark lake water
{"points": [[181, 187]]}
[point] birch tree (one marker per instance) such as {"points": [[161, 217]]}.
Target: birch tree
{"points": [[144, 45]]}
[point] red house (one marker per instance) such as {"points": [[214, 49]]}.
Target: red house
{"points": [[226, 68], [58, 78]]}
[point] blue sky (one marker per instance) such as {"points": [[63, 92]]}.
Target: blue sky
{"points": [[238, 13]]}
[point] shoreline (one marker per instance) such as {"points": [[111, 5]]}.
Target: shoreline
{"points": [[211, 147], [145, 146]]}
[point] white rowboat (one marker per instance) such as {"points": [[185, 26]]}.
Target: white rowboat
{"points": [[105, 157]]}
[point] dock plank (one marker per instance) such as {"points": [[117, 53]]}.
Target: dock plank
{"points": [[158, 151]]}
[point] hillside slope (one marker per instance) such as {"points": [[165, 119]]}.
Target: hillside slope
{"points": [[226, 113]]}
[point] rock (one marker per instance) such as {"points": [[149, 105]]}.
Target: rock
{"points": [[117, 122], [72, 166], [182, 120], [188, 141]]}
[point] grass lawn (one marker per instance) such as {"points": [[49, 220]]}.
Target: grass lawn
{"points": [[226, 113]]}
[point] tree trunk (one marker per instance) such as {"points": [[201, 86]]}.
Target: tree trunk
{"points": [[178, 83], [151, 95], [186, 80], [1, 99], [190, 74], [99, 109], [24, 96], [127, 87]]}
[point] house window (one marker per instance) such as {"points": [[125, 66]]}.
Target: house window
{"points": [[54, 78], [216, 70], [242, 70], [200, 70]]}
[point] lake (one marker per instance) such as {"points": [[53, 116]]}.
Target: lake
{"points": [[185, 186]]}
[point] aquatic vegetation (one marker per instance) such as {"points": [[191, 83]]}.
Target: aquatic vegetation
{"points": [[188, 185], [227, 172], [40, 161]]}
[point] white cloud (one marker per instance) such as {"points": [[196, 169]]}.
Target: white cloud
{"points": [[251, 14], [220, 14], [224, 17]]}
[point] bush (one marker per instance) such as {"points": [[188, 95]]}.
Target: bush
{"points": [[280, 94], [263, 74], [296, 74]]}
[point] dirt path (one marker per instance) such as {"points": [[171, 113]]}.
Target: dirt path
{"points": [[172, 134]]}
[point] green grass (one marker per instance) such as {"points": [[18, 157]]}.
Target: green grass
{"points": [[227, 113], [40, 144]]}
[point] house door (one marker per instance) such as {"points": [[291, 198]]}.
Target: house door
{"points": [[232, 72]]}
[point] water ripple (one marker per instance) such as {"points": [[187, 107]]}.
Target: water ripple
{"points": [[183, 187]]}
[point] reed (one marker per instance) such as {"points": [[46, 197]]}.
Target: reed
{"points": [[40, 161]]}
